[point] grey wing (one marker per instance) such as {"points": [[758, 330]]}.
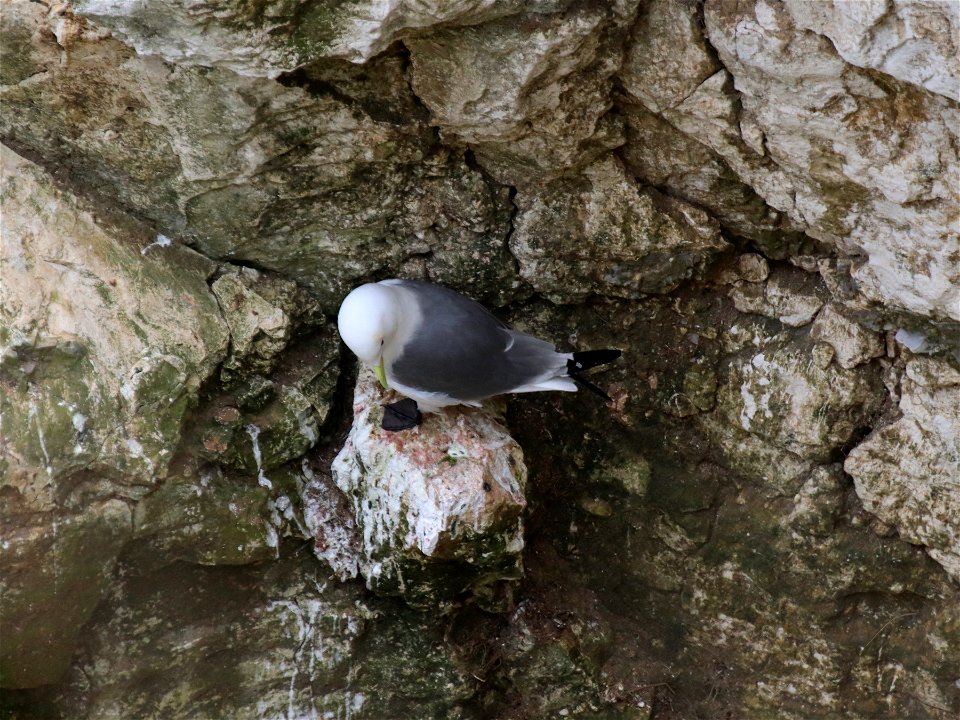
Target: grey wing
{"points": [[464, 352]]}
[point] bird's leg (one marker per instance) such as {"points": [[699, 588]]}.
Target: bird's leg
{"points": [[401, 415]]}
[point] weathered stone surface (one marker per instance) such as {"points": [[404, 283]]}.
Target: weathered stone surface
{"points": [[96, 426], [660, 151], [912, 41], [742, 553], [818, 505], [210, 516], [659, 154], [258, 311], [852, 343], [438, 507], [753, 268], [529, 95], [602, 234], [810, 409], [322, 187], [814, 116], [667, 58], [908, 472], [234, 491], [266, 39], [106, 339], [784, 115], [257, 423], [792, 297], [54, 567], [275, 640], [677, 562], [328, 516], [775, 470]]}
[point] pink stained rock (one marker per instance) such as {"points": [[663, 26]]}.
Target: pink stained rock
{"points": [[438, 507]]}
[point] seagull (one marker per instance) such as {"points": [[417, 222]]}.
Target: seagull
{"points": [[440, 348]]}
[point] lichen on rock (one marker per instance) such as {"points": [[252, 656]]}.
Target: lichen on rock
{"points": [[810, 409]]}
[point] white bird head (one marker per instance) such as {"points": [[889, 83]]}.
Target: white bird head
{"points": [[367, 321]]}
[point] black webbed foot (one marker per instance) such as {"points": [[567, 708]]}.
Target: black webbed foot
{"points": [[401, 415]]}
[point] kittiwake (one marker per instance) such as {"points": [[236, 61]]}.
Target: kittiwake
{"points": [[440, 348]]}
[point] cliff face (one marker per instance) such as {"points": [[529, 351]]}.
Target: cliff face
{"points": [[756, 201]]}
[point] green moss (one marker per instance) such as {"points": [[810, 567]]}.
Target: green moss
{"points": [[136, 326], [219, 520], [255, 393], [39, 407], [104, 292]]}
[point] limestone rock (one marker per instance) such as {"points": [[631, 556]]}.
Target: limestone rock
{"points": [[776, 471], [659, 154], [911, 41], [793, 298], [818, 504], [324, 188], [601, 234], [236, 485], [330, 523], [260, 423], [663, 150], [667, 57], [107, 337], [261, 312], [692, 547], [270, 640], [815, 116], [853, 343], [272, 37], [780, 396], [209, 515], [530, 95], [753, 268], [105, 342], [439, 506], [907, 473], [54, 568], [784, 115]]}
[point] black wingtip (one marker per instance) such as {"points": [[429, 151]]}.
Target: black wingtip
{"points": [[583, 382], [587, 359], [590, 359]]}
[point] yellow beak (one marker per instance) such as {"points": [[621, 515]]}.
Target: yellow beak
{"points": [[381, 374]]}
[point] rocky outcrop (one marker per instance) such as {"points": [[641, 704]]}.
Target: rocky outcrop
{"points": [[109, 331], [264, 40], [855, 159], [913, 42], [908, 472], [529, 94], [601, 234], [264, 641], [322, 187], [755, 201], [438, 508]]}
